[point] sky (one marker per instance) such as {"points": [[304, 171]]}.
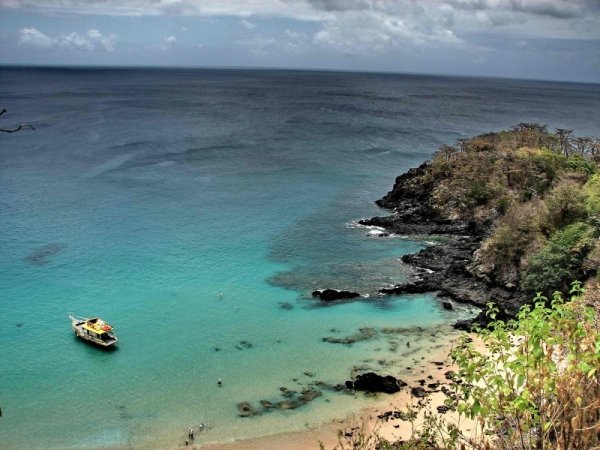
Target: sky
{"points": [[539, 39]]}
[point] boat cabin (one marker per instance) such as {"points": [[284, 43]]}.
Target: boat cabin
{"points": [[94, 330]]}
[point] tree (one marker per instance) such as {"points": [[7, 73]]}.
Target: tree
{"points": [[564, 136]]}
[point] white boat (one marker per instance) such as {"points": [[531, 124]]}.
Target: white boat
{"points": [[94, 330]]}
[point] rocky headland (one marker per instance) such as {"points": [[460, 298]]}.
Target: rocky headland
{"points": [[442, 268], [515, 213]]}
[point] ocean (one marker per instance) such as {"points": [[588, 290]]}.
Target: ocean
{"points": [[196, 211]]}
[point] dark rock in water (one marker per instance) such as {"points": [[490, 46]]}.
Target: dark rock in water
{"points": [[364, 334], [246, 344], [288, 404], [285, 305], [308, 395], [245, 409], [349, 384], [333, 294], [288, 393], [41, 255], [418, 392], [407, 288], [448, 306], [372, 382], [309, 374], [19, 324], [266, 404]]}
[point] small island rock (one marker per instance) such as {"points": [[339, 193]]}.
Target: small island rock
{"points": [[334, 294]]}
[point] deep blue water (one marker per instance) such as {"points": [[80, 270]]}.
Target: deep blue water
{"points": [[185, 207]]}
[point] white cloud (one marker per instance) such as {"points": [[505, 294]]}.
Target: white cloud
{"points": [[99, 40], [364, 32], [248, 25], [169, 42], [30, 37], [92, 40], [356, 26], [298, 9]]}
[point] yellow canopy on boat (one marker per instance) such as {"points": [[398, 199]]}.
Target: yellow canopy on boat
{"points": [[94, 329]]}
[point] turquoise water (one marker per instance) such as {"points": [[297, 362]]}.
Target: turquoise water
{"points": [[196, 211]]}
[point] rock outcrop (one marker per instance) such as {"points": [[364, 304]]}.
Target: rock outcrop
{"points": [[334, 294], [372, 382], [442, 268]]}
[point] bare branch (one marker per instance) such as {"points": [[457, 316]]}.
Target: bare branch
{"points": [[24, 125]]}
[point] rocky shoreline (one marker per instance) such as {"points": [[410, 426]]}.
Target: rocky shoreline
{"points": [[442, 268]]}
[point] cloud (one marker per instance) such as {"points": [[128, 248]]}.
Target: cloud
{"points": [[298, 9], [364, 32], [92, 40], [342, 5], [169, 42], [101, 41], [560, 9], [248, 25], [355, 26], [30, 37]]}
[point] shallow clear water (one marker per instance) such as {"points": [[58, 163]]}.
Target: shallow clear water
{"points": [[197, 209]]}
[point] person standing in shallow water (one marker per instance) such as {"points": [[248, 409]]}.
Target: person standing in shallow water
{"points": [[191, 433]]}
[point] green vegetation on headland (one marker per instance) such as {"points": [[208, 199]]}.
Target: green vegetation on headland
{"points": [[539, 192], [523, 206]]}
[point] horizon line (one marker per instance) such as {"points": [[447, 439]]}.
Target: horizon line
{"points": [[283, 69]]}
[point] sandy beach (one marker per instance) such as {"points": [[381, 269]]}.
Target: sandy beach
{"points": [[431, 371]]}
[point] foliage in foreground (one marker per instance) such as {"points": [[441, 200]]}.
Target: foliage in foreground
{"points": [[536, 387]]}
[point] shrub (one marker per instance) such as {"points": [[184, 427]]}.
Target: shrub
{"points": [[591, 190], [560, 260], [549, 162], [538, 386], [566, 204], [578, 163]]}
